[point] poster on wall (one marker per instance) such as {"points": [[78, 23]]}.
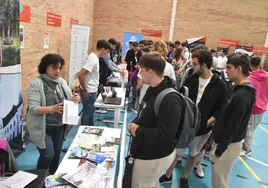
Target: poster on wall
{"points": [[130, 37], [79, 49], [25, 13], [21, 35], [223, 46], [46, 40], [11, 103]]}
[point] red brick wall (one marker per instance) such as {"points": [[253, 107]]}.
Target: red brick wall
{"points": [[59, 37], [245, 21], [112, 18]]}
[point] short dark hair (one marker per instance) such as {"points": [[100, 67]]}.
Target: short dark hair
{"points": [[154, 61], [255, 61], [103, 44], [112, 41], [130, 42], [49, 59], [142, 42], [135, 44], [150, 42], [212, 51], [147, 50], [199, 47], [224, 51], [204, 57], [239, 60], [177, 42], [171, 44], [184, 44]]}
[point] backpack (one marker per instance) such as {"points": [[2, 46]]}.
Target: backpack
{"points": [[190, 117]]}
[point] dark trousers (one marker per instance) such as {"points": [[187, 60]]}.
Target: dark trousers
{"points": [[50, 156]]}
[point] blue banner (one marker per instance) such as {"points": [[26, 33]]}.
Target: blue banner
{"points": [[130, 37]]}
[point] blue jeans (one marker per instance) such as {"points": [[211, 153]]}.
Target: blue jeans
{"points": [[50, 156], [88, 110]]}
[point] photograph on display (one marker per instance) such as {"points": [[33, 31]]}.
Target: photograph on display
{"points": [[90, 176], [74, 151], [9, 33], [89, 130], [56, 181], [11, 103]]}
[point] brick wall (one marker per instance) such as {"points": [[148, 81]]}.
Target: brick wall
{"points": [[246, 21], [59, 37], [112, 18]]}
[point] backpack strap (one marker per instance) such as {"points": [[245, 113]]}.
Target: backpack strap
{"points": [[186, 91], [160, 97]]}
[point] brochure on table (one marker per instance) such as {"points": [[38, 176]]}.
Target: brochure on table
{"points": [[94, 151]]}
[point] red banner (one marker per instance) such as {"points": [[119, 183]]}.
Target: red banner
{"points": [[151, 33], [231, 42], [260, 50], [53, 19], [73, 21], [224, 44], [25, 16]]}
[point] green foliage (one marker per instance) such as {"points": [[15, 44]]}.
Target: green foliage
{"points": [[11, 56]]}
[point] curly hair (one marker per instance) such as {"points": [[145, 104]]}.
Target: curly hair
{"points": [[49, 59], [161, 47]]}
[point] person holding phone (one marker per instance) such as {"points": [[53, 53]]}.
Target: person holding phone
{"points": [[44, 111]]}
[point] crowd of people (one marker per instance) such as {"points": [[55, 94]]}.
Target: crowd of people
{"points": [[229, 109]]}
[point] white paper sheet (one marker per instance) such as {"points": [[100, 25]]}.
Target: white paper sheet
{"points": [[70, 113], [112, 132], [19, 180]]}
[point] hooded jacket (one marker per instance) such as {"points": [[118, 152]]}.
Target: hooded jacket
{"points": [[259, 80], [232, 123], [156, 136], [211, 101]]}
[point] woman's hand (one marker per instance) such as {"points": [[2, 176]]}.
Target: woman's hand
{"points": [[75, 98], [57, 108]]}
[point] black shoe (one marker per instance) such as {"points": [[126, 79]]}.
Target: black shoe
{"points": [[178, 162], [64, 150], [164, 179], [184, 183], [133, 101]]}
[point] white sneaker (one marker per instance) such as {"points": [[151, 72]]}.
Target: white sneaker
{"points": [[207, 154], [101, 111], [245, 153], [199, 171], [134, 110]]}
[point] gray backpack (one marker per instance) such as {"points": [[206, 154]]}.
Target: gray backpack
{"points": [[190, 117]]}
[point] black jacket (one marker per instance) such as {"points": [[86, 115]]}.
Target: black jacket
{"points": [[232, 123], [104, 72], [156, 136], [211, 101], [131, 60]]}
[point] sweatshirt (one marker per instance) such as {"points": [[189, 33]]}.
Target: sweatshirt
{"points": [[259, 80], [232, 123], [156, 136]]}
